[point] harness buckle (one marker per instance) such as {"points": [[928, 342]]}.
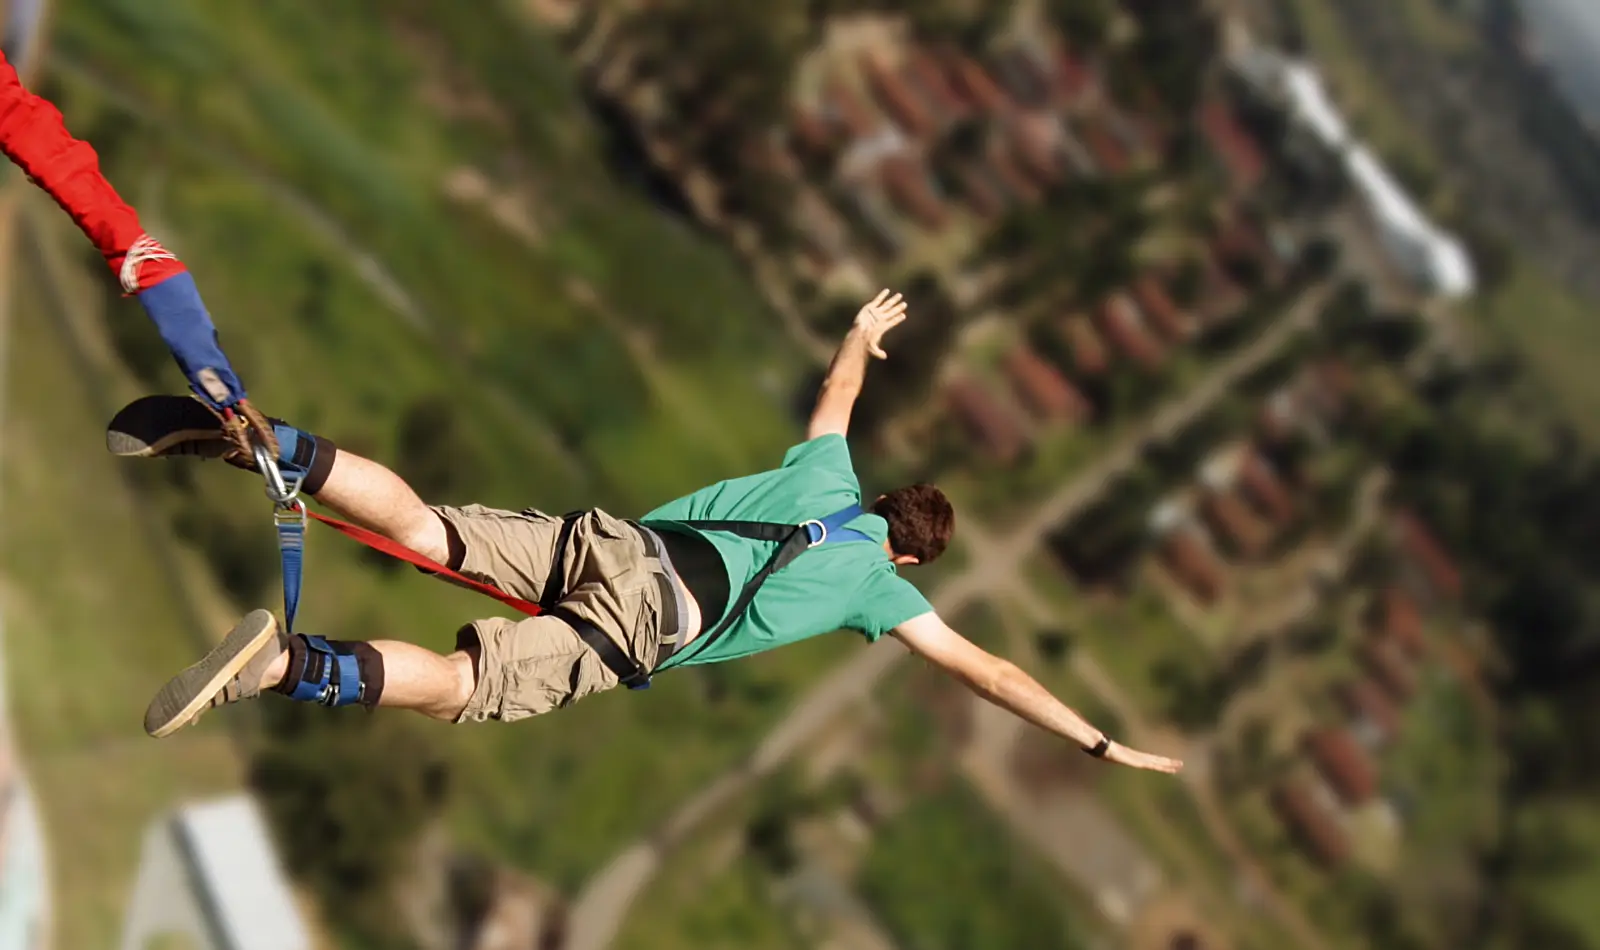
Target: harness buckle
{"points": [[821, 535], [292, 512]]}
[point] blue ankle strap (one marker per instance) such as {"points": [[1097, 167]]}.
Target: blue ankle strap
{"points": [[337, 677]]}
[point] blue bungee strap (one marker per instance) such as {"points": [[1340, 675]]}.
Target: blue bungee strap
{"points": [[291, 524], [332, 675]]}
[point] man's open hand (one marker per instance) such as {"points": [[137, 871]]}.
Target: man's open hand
{"points": [[880, 316], [1122, 755]]}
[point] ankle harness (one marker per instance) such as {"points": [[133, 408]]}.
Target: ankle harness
{"points": [[331, 674]]}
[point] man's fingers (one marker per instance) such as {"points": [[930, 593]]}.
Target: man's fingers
{"points": [[886, 311], [894, 321], [882, 305]]}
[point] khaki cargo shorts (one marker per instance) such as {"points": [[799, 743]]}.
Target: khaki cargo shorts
{"points": [[614, 576]]}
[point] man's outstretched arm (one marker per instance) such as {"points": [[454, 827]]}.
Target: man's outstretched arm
{"points": [[849, 367], [1003, 683]]}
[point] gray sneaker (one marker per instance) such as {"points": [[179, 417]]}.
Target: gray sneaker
{"points": [[231, 672]]}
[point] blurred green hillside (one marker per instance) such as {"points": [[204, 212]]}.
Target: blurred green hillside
{"points": [[340, 176]]}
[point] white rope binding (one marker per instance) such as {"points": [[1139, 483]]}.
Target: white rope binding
{"points": [[146, 248]]}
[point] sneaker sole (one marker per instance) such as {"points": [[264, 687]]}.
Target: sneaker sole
{"points": [[186, 694], [154, 425]]}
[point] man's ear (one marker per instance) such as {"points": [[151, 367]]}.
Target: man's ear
{"points": [[904, 560]]}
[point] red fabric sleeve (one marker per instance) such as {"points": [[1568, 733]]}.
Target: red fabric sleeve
{"points": [[34, 136]]}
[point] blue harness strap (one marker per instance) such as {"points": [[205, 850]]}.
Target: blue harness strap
{"points": [[291, 551], [832, 529], [332, 676]]}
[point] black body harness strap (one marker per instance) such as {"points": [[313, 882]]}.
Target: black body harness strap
{"points": [[793, 540]]}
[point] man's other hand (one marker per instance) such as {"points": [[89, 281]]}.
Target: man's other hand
{"points": [[1122, 755], [880, 316]]}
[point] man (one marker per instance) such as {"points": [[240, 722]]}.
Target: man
{"points": [[695, 581]]}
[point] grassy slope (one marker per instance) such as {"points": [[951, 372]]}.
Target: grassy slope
{"points": [[942, 845], [92, 627], [235, 114], [706, 903], [1558, 336]]}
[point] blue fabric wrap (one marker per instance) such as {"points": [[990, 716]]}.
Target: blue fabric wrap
{"points": [[174, 305], [340, 682], [834, 527], [292, 551]]}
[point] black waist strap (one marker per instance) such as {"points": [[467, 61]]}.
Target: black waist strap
{"points": [[629, 671], [698, 565], [792, 541]]}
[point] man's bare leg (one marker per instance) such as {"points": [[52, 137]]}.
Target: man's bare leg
{"points": [[256, 656], [414, 678], [357, 488], [376, 498]]}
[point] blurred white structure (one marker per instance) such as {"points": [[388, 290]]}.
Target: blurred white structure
{"points": [[1432, 257], [24, 873], [209, 872], [24, 870]]}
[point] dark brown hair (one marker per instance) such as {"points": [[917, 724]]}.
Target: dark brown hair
{"points": [[921, 521]]}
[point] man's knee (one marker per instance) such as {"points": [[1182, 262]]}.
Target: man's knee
{"points": [[455, 548], [466, 663], [433, 536]]}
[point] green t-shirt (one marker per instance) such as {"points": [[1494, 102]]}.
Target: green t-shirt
{"points": [[846, 584]]}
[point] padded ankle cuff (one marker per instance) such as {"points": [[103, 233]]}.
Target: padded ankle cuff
{"points": [[332, 674], [320, 466]]}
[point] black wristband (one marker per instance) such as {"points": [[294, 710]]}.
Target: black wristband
{"points": [[1099, 750]]}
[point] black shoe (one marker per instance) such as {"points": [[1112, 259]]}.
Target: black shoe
{"points": [[166, 426]]}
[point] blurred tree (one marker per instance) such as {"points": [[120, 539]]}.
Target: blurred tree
{"points": [[1193, 699], [348, 793], [1055, 646], [245, 562], [1084, 23], [432, 452], [1493, 258], [312, 309], [919, 347], [727, 67], [1176, 45], [1078, 247], [767, 200]]}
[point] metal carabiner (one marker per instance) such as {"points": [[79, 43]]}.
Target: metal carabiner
{"points": [[284, 495]]}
